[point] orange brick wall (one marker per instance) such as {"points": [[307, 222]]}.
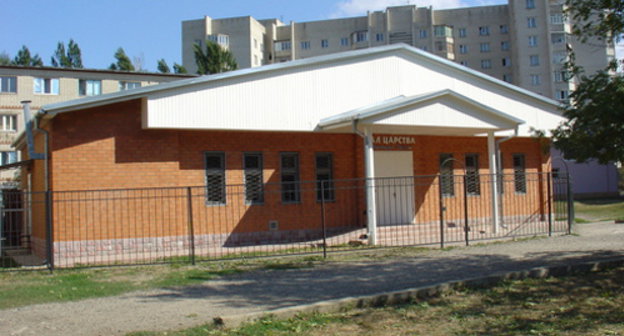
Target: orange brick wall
{"points": [[106, 148]]}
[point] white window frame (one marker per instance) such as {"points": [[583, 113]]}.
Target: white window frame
{"points": [[8, 157], [534, 60], [536, 80], [486, 64], [129, 85], [8, 84], [533, 41], [344, 41], [463, 49], [324, 43], [484, 47], [8, 122], [461, 32], [484, 31], [89, 87], [305, 45], [531, 22], [46, 86]]}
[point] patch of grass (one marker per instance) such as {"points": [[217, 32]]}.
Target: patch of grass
{"points": [[600, 209], [585, 304]]}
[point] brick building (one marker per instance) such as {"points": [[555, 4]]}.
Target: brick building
{"points": [[253, 146]]}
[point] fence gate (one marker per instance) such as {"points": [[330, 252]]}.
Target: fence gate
{"points": [[15, 238]]}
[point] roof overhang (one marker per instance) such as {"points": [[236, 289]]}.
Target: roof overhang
{"points": [[444, 112]]}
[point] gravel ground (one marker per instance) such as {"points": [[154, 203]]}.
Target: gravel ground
{"points": [[270, 289]]}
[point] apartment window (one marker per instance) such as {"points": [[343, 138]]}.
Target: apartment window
{"points": [[531, 22], [504, 29], [379, 37], [505, 45], [536, 80], [533, 41], [557, 38], [484, 47], [8, 84], [484, 30], [530, 4], [423, 33], [199, 42], [8, 122], [361, 36], [507, 78], [215, 177], [324, 44], [506, 61], [556, 18], [559, 57], [464, 63], [561, 76], [563, 94], [305, 45], [282, 45], [461, 32], [46, 86], [254, 187], [473, 183], [463, 49], [289, 167], [324, 177], [88, 87], [486, 64], [534, 60], [8, 157], [344, 41], [129, 85], [222, 40], [447, 183]]}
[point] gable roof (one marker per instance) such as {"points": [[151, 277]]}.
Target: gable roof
{"points": [[376, 110], [52, 109]]}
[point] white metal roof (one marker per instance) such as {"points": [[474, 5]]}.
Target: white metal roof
{"points": [[94, 101]]}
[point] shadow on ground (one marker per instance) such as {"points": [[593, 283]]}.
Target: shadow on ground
{"points": [[281, 288]]}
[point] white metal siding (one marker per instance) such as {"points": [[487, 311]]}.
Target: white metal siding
{"points": [[295, 99]]}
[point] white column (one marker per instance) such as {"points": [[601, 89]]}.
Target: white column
{"points": [[494, 181], [369, 167]]}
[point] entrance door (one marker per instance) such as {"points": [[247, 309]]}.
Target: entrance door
{"points": [[394, 192]]}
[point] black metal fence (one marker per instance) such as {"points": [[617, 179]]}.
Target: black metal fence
{"points": [[192, 224]]}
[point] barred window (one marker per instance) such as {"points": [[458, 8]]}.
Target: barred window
{"points": [[254, 188], [473, 183], [447, 180], [289, 167], [519, 173], [324, 177], [215, 177]]}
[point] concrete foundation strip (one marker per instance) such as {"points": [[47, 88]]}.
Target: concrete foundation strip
{"points": [[419, 294]]}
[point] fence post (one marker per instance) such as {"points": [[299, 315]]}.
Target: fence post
{"points": [[189, 202], [323, 219], [570, 203], [466, 226], [441, 203], [549, 195], [49, 235]]}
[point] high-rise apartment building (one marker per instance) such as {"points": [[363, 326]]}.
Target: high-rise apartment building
{"points": [[525, 42]]}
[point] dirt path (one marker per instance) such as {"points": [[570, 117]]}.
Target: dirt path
{"points": [[264, 290]]}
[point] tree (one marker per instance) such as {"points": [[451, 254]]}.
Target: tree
{"points": [[4, 58], [123, 61], [179, 69], [595, 113], [24, 58], [214, 59], [162, 66], [70, 59]]}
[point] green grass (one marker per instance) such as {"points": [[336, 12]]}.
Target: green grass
{"points": [[586, 304], [599, 209]]}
